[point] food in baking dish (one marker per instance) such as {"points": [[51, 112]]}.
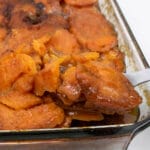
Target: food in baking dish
{"points": [[59, 61]]}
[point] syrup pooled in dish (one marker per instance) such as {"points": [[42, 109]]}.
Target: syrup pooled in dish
{"points": [[60, 66]]}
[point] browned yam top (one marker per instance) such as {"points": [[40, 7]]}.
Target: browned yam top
{"points": [[58, 56], [69, 91], [18, 101], [106, 89], [63, 42], [114, 59], [92, 30]]}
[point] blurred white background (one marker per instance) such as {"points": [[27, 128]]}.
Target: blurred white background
{"points": [[141, 141], [137, 13]]}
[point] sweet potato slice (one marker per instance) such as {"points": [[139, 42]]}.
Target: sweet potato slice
{"points": [[17, 100], [69, 90], [12, 66], [91, 29], [85, 57], [47, 80], [43, 116], [64, 42], [24, 84], [114, 59], [106, 89]]}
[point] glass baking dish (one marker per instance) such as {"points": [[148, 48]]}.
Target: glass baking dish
{"points": [[93, 137]]}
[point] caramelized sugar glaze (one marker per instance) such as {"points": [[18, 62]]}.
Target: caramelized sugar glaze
{"points": [[60, 66]]}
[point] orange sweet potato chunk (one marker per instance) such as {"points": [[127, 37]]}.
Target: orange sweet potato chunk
{"points": [[42, 116], [106, 89], [63, 42], [17, 100], [114, 59], [24, 83], [12, 66], [47, 79], [39, 45], [86, 56], [69, 90], [91, 29]]}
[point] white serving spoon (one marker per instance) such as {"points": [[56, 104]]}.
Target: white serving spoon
{"points": [[139, 77], [138, 138]]}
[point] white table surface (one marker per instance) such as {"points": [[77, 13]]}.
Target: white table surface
{"points": [[137, 13]]}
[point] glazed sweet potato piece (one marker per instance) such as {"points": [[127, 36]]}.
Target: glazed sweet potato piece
{"points": [[24, 83], [16, 40], [64, 42], [114, 59], [43, 116], [69, 91], [91, 29], [61, 48], [106, 89], [50, 6], [3, 33], [12, 66], [39, 45], [85, 57], [17, 100], [80, 2], [23, 6], [47, 80]]}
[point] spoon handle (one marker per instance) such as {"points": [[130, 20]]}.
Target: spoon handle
{"points": [[142, 125]]}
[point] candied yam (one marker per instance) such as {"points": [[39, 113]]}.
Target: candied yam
{"points": [[46, 58], [38, 61], [106, 89], [16, 20], [64, 42], [24, 83], [12, 66], [39, 45], [3, 33], [65, 49], [80, 2], [21, 37], [114, 59], [50, 6], [23, 49], [61, 60], [27, 63], [92, 30], [17, 100], [43, 116], [48, 78], [69, 90], [86, 56], [25, 7]]}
